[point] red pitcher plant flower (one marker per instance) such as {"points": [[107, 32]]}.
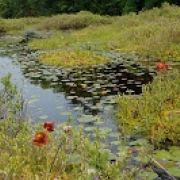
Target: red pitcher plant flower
{"points": [[49, 126], [162, 66], [40, 138]]}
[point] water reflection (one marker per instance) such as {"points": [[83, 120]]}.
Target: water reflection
{"points": [[87, 86], [87, 96], [46, 100]]}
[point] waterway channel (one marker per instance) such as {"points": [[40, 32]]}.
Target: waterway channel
{"points": [[44, 104]]}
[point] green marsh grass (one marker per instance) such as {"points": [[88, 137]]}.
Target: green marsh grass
{"points": [[74, 21], [153, 33], [72, 58], [15, 26], [66, 154], [155, 114]]}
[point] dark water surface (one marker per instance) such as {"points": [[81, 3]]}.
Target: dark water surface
{"points": [[46, 104]]}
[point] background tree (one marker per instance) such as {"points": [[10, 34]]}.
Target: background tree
{"points": [[21, 8]]}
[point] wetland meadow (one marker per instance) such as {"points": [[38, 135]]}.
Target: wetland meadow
{"points": [[90, 97]]}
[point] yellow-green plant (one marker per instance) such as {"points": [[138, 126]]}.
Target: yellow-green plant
{"points": [[2, 29], [95, 38], [74, 21], [55, 150], [14, 26], [153, 33], [72, 58], [154, 114], [44, 152]]}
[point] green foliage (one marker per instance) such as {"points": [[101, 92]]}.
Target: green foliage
{"points": [[74, 21], [69, 155], [10, 100], [15, 9], [155, 114], [130, 6], [13, 26], [2, 24], [72, 58], [151, 3], [75, 155], [143, 33], [11, 107]]}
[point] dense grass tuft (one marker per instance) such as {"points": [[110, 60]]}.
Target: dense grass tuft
{"points": [[72, 58], [2, 28], [74, 21]]}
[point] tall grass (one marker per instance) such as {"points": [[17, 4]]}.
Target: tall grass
{"points": [[155, 114], [74, 21], [153, 33]]}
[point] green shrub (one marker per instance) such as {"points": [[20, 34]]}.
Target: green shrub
{"points": [[2, 28], [153, 33], [65, 154], [74, 21], [154, 114], [72, 58]]}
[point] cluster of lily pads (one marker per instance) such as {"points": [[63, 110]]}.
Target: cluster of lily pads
{"points": [[87, 85]]}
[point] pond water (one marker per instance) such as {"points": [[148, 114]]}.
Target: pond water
{"points": [[45, 104], [88, 96]]}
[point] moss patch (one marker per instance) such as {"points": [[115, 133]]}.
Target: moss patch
{"points": [[72, 58]]}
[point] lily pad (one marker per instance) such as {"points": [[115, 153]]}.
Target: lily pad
{"points": [[173, 154], [35, 75], [105, 130], [90, 128], [112, 157], [139, 142], [59, 107], [175, 171], [115, 135], [88, 119], [162, 154], [43, 117], [78, 108], [117, 143], [147, 175], [94, 108], [66, 113], [33, 101], [99, 122], [109, 108]]}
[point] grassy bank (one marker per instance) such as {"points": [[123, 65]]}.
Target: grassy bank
{"points": [[152, 33]]}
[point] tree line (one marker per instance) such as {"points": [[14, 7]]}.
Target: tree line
{"points": [[25, 8]]}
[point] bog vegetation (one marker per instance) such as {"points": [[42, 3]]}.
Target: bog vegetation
{"points": [[153, 33], [31, 151], [155, 114], [15, 9]]}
